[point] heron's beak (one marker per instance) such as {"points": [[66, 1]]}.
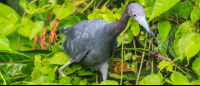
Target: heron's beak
{"points": [[142, 21]]}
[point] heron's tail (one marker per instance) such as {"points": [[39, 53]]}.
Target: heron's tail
{"points": [[63, 30]]}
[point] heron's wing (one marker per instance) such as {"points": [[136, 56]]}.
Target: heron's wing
{"points": [[78, 44]]}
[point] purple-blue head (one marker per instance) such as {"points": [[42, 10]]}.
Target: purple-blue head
{"points": [[137, 12]]}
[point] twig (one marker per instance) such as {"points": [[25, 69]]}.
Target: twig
{"points": [[122, 60], [138, 76], [87, 6], [18, 61]]}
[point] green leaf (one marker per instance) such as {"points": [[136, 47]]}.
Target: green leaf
{"points": [[196, 66], [163, 46], [109, 82], [148, 11], [69, 70], [192, 47], [178, 79], [195, 82], [4, 43], [153, 79], [116, 76], [60, 58], [8, 24], [7, 10], [26, 28], [108, 16], [184, 33], [165, 64], [38, 27], [128, 56], [164, 28], [76, 81], [162, 6], [195, 14], [142, 2], [197, 3], [86, 73], [81, 16], [69, 21], [95, 15], [183, 8], [185, 28], [9, 57], [63, 11], [65, 80], [135, 28], [53, 1], [13, 69], [83, 82]]}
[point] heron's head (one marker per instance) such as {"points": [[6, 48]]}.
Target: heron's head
{"points": [[137, 12]]}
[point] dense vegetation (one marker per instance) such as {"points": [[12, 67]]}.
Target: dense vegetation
{"points": [[30, 51]]}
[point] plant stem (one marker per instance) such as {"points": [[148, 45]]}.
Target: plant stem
{"points": [[96, 78], [106, 3], [138, 76], [184, 72], [122, 59], [87, 6]]}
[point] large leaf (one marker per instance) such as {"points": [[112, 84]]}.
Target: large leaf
{"points": [[185, 32], [7, 10], [192, 47], [178, 79], [9, 20], [153, 79], [183, 8], [4, 43], [164, 28], [161, 6]]}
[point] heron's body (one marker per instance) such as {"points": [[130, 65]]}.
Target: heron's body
{"points": [[92, 42]]}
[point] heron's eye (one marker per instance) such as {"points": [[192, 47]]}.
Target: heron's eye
{"points": [[134, 15]]}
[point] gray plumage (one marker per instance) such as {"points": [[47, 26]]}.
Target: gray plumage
{"points": [[92, 42]]}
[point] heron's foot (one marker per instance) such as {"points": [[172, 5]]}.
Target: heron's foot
{"points": [[60, 71]]}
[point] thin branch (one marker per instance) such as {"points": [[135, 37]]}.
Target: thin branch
{"points": [[87, 6], [138, 76]]}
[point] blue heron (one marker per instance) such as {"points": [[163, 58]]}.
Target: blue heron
{"points": [[92, 42]]}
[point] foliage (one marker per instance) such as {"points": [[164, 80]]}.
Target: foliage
{"points": [[27, 58]]}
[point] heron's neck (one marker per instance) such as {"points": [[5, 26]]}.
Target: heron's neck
{"points": [[118, 26]]}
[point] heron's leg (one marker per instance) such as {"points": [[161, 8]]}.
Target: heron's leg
{"points": [[103, 70], [60, 70]]}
